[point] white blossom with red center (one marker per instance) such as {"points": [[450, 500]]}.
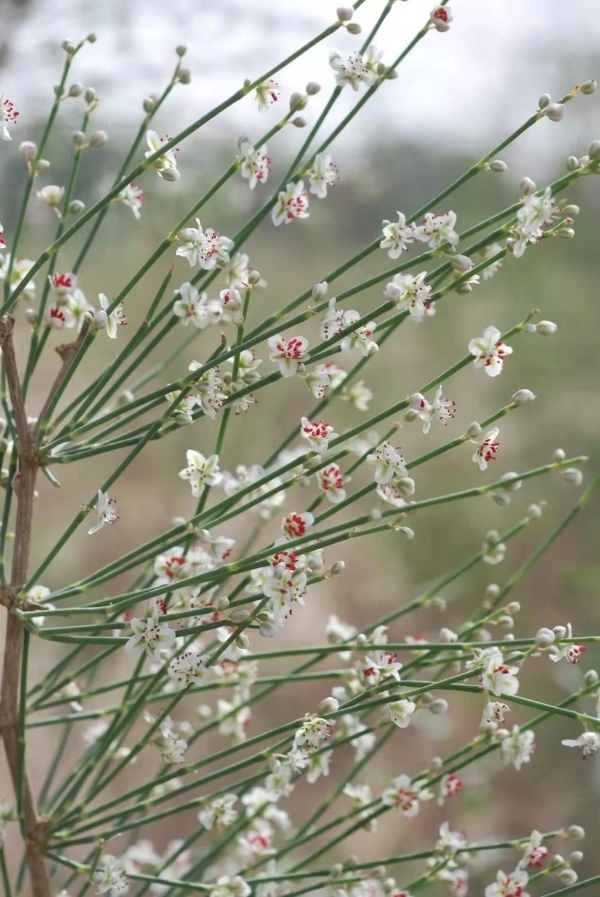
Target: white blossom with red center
{"points": [[201, 471], [150, 636], [323, 174], [115, 319], [331, 483], [196, 308], [571, 652], [536, 211], [512, 885], [318, 381], [296, 525], [255, 164], [405, 795], [450, 786], [317, 433], [378, 666], [456, 879], [312, 732], [353, 69], [499, 678], [187, 669], [397, 491], [8, 116], [450, 842], [436, 230], [397, 236], [489, 351], [171, 566], [589, 742], [400, 712], [286, 590], [487, 450], [359, 338], [267, 94], [494, 711], [291, 203], [167, 161], [106, 511], [441, 408], [409, 293], [62, 283], [133, 197], [288, 353], [534, 851], [58, 315], [441, 17], [518, 747], [332, 322], [204, 247], [388, 463], [110, 877]]}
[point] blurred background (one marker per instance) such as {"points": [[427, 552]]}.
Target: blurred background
{"points": [[457, 96]]}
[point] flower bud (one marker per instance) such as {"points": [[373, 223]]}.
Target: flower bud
{"points": [[58, 90], [28, 150], [51, 195], [297, 101], [461, 263], [79, 138], [222, 604], [594, 150], [546, 328], [515, 485], [567, 876], [522, 396], [91, 38], [559, 631], [555, 111], [298, 122], [268, 628], [544, 637], [576, 832], [502, 499], [498, 165], [513, 607], [75, 90], [391, 75], [492, 591], [576, 856], [544, 100], [43, 165], [328, 705], [98, 138], [527, 187], [572, 163], [75, 207], [242, 641], [573, 476], [68, 46], [312, 88], [447, 635], [375, 514], [184, 76], [99, 320], [591, 678], [407, 531], [149, 103], [589, 87], [534, 511], [90, 95], [337, 567], [566, 233], [31, 315], [506, 622], [571, 209], [438, 602], [344, 13], [411, 415], [319, 291], [254, 278], [474, 430], [239, 615], [440, 705], [559, 455], [353, 28], [170, 174]]}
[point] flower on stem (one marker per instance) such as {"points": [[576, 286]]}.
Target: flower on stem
{"points": [[441, 408], [534, 851], [332, 322], [166, 164], [487, 450], [353, 69], [8, 116], [497, 677], [450, 842], [296, 525], [288, 353], [196, 308], [410, 293], [360, 337], [512, 885], [440, 18], [255, 164], [317, 433], [436, 230], [378, 666], [151, 636], [397, 236], [52, 196], [168, 740], [203, 247], [267, 94], [535, 212], [489, 351], [312, 732], [291, 203], [286, 588], [359, 395], [318, 381], [219, 812], [330, 482], [62, 284], [110, 877], [183, 412], [106, 511], [115, 319], [388, 463], [400, 712], [589, 742], [133, 197], [323, 174], [201, 471], [58, 314], [572, 652], [450, 786], [496, 266], [20, 267], [517, 747], [405, 795], [187, 669]]}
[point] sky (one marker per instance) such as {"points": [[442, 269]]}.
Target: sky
{"points": [[468, 86]]}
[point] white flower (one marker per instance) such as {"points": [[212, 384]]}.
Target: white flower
{"points": [[267, 94], [570, 651], [589, 742], [324, 174], [440, 18], [379, 665], [499, 678], [410, 293], [353, 69], [518, 747], [286, 591], [401, 711], [536, 211], [534, 851], [489, 351], [494, 712], [313, 731], [318, 381], [332, 322], [359, 395], [397, 236], [288, 353], [183, 412], [487, 450], [495, 267], [109, 876], [291, 203], [360, 337], [2, 240], [317, 433], [203, 247], [8, 116], [196, 308], [133, 197], [441, 408], [106, 511], [255, 164], [405, 795], [62, 284], [151, 636], [201, 471], [388, 463], [166, 162], [52, 196], [220, 811], [228, 886], [58, 314], [435, 230], [296, 525], [187, 669], [450, 843], [115, 319], [169, 741], [508, 885], [20, 267], [330, 481], [79, 306]]}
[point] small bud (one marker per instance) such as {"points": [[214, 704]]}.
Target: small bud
{"points": [[555, 111], [544, 637], [31, 315], [297, 101], [513, 486], [268, 628], [344, 13], [90, 96], [184, 76], [572, 163], [58, 90], [513, 607], [170, 174], [319, 291], [407, 531], [239, 615], [571, 209], [594, 150], [506, 622], [242, 641], [354, 28], [411, 415], [527, 187], [254, 278], [328, 705], [124, 398], [79, 138], [461, 263], [567, 876], [391, 75], [75, 207], [337, 568], [68, 47], [559, 631], [502, 499], [492, 591], [98, 138], [375, 514], [313, 88], [573, 476], [544, 100], [440, 705], [43, 165], [28, 150], [149, 104], [498, 165], [576, 856], [439, 602], [591, 678], [99, 320], [576, 832], [181, 50], [534, 511], [530, 328], [474, 430], [566, 233], [559, 455], [522, 396], [298, 122], [91, 38], [588, 87], [222, 604], [75, 89], [546, 328]]}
